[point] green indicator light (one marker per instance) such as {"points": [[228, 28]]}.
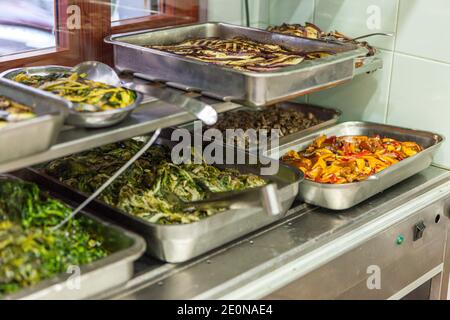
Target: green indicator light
{"points": [[400, 239]]}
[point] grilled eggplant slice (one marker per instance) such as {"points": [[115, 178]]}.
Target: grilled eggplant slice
{"points": [[240, 53]]}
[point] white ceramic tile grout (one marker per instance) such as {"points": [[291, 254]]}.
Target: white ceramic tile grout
{"points": [[314, 12], [386, 113], [421, 57]]}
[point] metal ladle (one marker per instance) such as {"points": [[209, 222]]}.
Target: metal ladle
{"points": [[370, 35], [101, 72]]}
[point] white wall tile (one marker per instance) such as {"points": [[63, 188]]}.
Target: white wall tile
{"points": [[359, 17], [420, 98], [290, 11], [259, 13], [233, 11], [423, 28], [363, 98]]}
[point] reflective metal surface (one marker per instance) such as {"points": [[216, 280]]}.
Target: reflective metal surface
{"points": [[80, 119], [382, 267], [249, 88], [35, 135], [98, 71], [344, 196], [308, 238]]}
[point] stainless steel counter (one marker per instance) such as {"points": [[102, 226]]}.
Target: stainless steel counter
{"points": [[270, 259]]}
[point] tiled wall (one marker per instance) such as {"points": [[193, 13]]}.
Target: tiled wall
{"points": [[232, 11], [413, 89]]}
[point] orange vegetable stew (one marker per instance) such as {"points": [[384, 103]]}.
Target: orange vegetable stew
{"points": [[346, 159]]}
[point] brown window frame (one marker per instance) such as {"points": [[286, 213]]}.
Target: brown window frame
{"points": [[74, 46]]}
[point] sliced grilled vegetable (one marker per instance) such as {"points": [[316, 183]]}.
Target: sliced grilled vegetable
{"points": [[239, 53], [346, 159], [77, 89], [312, 31], [29, 251], [142, 190]]}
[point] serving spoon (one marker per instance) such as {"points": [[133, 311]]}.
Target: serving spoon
{"points": [[258, 197]]}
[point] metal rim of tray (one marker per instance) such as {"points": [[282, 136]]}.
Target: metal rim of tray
{"points": [[439, 140], [12, 72], [115, 40]]}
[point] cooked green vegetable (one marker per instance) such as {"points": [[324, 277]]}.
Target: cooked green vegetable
{"points": [[142, 190], [75, 88], [29, 251]]}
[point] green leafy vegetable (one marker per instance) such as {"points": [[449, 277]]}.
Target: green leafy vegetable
{"points": [[142, 190], [29, 251]]}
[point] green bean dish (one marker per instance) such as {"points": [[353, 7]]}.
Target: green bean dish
{"points": [[29, 250], [142, 190]]}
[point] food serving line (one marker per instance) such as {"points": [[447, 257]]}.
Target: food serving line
{"points": [[278, 246]]}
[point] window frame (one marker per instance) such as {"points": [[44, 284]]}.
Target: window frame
{"points": [[74, 46], [173, 13]]}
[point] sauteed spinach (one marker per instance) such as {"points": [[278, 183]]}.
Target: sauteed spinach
{"points": [[29, 251]]}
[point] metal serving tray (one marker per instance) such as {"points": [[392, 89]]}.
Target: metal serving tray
{"points": [[249, 88], [75, 118], [99, 276], [328, 116], [340, 197], [35, 135], [179, 243]]}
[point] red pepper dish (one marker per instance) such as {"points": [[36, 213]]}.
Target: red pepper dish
{"points": [[346, 159]]}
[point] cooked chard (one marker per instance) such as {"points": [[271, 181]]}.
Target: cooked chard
{"points": [[77, 89], [239, 53], [142, 190], [29, 251]]}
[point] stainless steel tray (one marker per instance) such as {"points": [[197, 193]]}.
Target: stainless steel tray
{"points": [[107, 273], [35, 135], [249, 88], [179, 243], [340, 197], [328, 116], [75, 118]]}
